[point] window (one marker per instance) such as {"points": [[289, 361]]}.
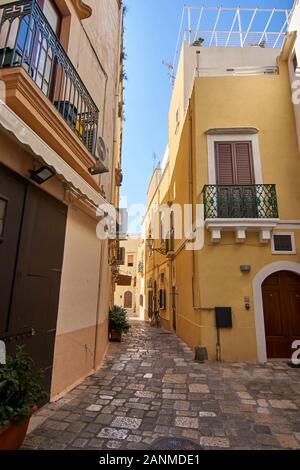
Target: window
{"points": [[130, 261], [52, 14], [283, 243], [295, 62], [141, 300], [3, 207], [234, 163], [162, 299]]}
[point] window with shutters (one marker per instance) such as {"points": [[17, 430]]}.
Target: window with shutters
{"points": [[234, 163], [236, 193]]}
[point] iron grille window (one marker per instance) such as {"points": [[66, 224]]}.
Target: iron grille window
{"points": [[283, 243], [3, 210]]}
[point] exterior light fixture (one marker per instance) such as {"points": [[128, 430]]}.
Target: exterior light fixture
{"points": [[41, 175], [245, 268]]}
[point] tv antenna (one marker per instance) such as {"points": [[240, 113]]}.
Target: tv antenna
{"points": [[170, 70]]}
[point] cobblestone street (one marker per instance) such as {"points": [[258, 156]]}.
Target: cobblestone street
{"points": [[150, 387]]}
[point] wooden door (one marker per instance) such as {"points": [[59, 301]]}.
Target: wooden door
{"points": [[128, 300], [12, 196], [236, 194], [281, 300], [35, 256]]}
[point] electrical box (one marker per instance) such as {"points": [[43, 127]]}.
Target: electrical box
{"points": [[223, 317]]}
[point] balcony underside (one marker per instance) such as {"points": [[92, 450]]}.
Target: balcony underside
{"points": [[241, 227], [25, 98]]}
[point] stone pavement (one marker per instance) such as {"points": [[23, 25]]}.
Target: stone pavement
{"points": [[150, 387]]}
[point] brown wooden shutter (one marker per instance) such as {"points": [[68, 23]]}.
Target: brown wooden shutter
{"points": [[224, 163], [234, 163], [243, 163]]}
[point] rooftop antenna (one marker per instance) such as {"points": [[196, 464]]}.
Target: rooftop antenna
{"points": [[170, 71], [156, 163], [154, 160]]}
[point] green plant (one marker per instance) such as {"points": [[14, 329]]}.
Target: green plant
{"points": [[20, 388], [118, 319]]}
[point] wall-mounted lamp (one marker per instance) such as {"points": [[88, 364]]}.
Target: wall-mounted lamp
{"points": [[41, 175], [245, 268]]}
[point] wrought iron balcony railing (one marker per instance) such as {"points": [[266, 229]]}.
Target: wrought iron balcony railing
{"points": [[27, 40], [240, 202]]}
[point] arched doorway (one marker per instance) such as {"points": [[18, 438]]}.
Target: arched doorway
{"points": [[128, 299], [281, 306]]}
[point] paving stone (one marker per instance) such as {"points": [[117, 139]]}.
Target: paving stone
{"points": [[214, 442], [125, 406], [111, 433], [175, 378], [288, 442], [95, 408], [198, 388], [143, 394], [113, 444], [185, 422], [127, 423], [283, 404], [207, 414], [80, 443]]}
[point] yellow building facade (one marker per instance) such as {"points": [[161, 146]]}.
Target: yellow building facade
{"points": [[233, 153]]}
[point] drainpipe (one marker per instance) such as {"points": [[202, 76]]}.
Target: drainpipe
{"points": [[104, 246], [117, 96], [191, 201]]}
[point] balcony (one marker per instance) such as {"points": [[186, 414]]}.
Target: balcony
{"points": [[44, 88], [240, 208]]}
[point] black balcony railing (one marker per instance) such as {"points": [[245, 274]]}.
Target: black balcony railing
{"points": [[27, 40], [240, 202]]}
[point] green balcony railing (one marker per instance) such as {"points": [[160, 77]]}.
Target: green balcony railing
{"points": [[240, 201]]}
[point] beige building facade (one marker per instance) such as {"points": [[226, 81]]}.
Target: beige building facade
{"points": [[61, 72], [129, 292]]}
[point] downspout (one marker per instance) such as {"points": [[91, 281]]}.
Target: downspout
{"points": [[191, 201], [117, 96], [105, 243]]}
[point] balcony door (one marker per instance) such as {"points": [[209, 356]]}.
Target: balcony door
{"points": [[45, 64], [236, 194]]}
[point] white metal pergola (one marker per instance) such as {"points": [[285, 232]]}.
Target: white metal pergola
{"points": [[232, 27]]}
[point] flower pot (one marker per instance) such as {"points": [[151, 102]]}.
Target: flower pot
{"points": [[12, 436], [116, 336]]}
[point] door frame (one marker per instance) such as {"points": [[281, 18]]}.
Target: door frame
{"points": [[258, 280]]}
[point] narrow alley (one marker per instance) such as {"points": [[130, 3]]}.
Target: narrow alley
{"points": [[150, 388]]}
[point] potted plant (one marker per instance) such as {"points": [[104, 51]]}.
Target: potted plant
{"points": [[118, 323], [20, 391]]}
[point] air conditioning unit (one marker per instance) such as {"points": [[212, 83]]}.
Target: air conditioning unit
{"points": [[101, 156], [120, 257]]}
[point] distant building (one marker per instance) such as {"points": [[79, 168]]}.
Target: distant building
{"points": [[129, 291]]}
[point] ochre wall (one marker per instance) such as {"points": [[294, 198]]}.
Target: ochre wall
{"points": [[263, 102]]}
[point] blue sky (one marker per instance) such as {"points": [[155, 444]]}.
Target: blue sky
{"points": [[150, 36]]}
